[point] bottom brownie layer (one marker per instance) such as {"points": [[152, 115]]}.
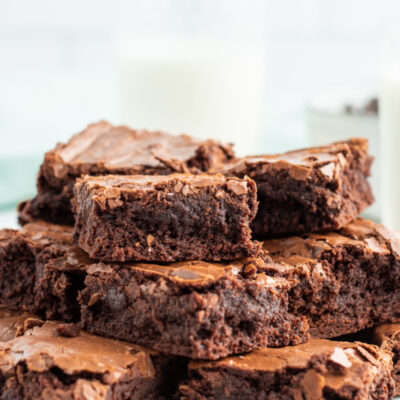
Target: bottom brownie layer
{"points": [[329, 284], [47, 360], [319, 369]]}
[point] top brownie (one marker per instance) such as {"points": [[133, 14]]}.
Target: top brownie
{"points": [[309, 190], [102, 149], [170, 218]]}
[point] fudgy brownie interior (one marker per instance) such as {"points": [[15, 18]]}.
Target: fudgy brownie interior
{"points": [[318, 369], [309, 190], [165, 218], [347, 280]]}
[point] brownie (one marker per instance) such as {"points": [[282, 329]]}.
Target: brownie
{"points": [[43, 363], [106, 149], [23, 255], [159, 218], [310, 190], [318, 369], [387, 337], [347, 280], [194, 308]]}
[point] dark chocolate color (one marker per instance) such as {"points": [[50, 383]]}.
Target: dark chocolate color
{"points": [[179, 217], [193, 308], [387, 337], [347, 280], [106, 149], [23, 255], [40, 363], [310, 190], [318, 369]]}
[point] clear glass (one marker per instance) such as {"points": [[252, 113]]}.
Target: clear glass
{"points": [[390, 126], [205, 78]]}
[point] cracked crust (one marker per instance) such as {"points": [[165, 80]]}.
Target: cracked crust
{"points": [[48, 360], [309, 190], [347, 280], [106, 149], [165, 218], [318, 369]]}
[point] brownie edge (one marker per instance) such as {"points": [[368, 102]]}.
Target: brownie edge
{"points": [[179, 217], [319, 189], [318, 369], [106, 149]]}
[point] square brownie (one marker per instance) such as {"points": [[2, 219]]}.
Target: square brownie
{"points": [[347, 280], [194, 308], [48, 360], [310, 190], [318, 369], [106, 149], [158, 218]]}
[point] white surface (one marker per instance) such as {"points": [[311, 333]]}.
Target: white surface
{"points": [[8, 219]]}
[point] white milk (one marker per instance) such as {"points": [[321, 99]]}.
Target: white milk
{"points": [[202, 87], [390, 144], [390, 128]]}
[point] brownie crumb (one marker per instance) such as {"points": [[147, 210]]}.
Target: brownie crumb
{"points": [[68, 330]]}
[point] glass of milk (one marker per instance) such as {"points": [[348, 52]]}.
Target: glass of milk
{"points": [[208, 83], [390, 126]]}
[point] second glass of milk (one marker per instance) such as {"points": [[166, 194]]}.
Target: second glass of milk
{"points": [[390, 127]]}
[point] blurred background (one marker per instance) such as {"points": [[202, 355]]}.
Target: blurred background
{"points": [[268, 75]]}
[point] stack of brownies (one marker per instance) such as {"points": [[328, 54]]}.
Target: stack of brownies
{"points": [[152, 266]]}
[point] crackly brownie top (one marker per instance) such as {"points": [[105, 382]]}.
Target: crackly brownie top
{"points": [[44, 347], [40, 233], [344, 363], [12, 323], [299, 250], [186, 273], [111, 185], [326, 160], [47, 233], [119, 147]]}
